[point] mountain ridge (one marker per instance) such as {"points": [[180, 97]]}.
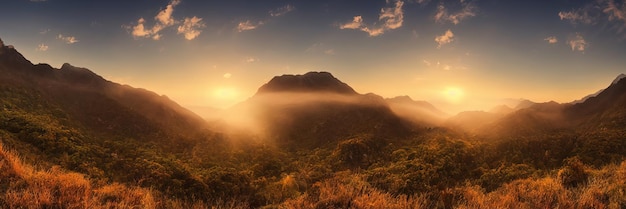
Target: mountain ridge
{"points": [[308, 82]]}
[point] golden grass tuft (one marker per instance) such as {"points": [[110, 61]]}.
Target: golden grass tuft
{"points": [[355, 193]]}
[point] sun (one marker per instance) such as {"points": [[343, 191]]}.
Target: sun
{"points": [[225, 93], [453, 94]]}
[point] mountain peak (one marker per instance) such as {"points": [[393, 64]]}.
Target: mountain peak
{"points": [[618, 78], [309, 82], [402, 99]]}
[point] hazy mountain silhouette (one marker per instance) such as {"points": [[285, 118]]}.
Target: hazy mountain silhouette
{"points": [[420, 112], [471, 121]]}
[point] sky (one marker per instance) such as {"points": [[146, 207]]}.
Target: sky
{"points": [[457, 54]]}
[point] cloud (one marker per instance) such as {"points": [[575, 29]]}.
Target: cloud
{"points": [[139, 30], [282, 11], [422, 2], [389, 18], [44, 31], [578, 43], [191, 27], [165, 16], [551, 39], [67, 39], [356, 23], [330, 52], [248, 25], [227, 75], [467, 10], [426, 62], [42, 48], [393, 16], [445, 38], [611, 14], [577, 16], [252, 59], [616, 14]]}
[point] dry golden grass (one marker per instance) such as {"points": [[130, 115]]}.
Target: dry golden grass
{"points": [[354, 193], [606, 188], [23, 186]]}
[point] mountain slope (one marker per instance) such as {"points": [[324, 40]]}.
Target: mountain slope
{"points": [[76, 119], [606, 109], [316, 109], [420, 112], [97, 103]]}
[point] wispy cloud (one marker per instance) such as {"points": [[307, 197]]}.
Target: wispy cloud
{"points": [[248, 25], [616, 13], [443, 15], [444, 38], [611, 14], [252, 24], [42, 48], [390, 18], [67, 39], [44, 31], [551, 40], [191, 27], [252, 59], [442, 66], [578, 43], [577, 16], [227, 75], [282, 10], [321, 48]]}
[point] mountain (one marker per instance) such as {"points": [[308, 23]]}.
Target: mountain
{"points": [[606, 109], [316, 109], [97, 103], [74, 118], [615, 81], [501, 110], [420, 112], [307, 83]]}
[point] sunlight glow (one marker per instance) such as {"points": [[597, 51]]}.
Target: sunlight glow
{"points": [[453, 94], [225, 93]]}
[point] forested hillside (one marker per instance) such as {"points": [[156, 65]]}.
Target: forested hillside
{"points": [[71, 139]]}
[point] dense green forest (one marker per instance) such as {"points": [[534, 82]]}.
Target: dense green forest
{"points": [[71, 139]]}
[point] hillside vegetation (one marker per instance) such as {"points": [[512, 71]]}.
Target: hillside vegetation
{"points": [[70, 139]]}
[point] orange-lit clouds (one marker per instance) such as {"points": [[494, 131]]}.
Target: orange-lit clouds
{"points": [[445, 38], [190, 27], [67, 39], [578, 43], [443, 15], [391, 18], [551, 39]]}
